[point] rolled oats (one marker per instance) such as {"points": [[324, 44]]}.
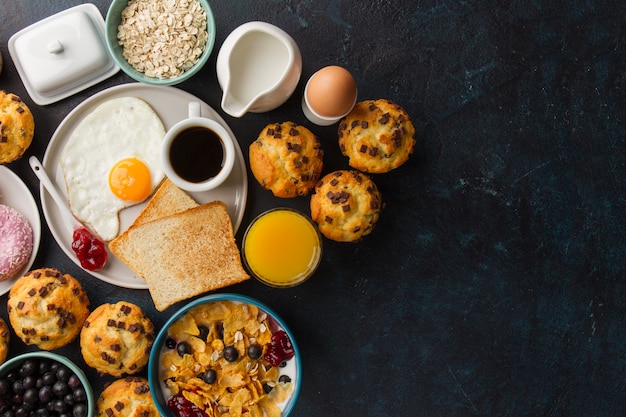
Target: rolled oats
{"points": [[163, 38]]}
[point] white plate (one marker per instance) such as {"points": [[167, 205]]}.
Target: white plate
{"points": [[14, 193], [171, 104]]}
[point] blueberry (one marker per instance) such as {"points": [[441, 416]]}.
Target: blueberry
{"points": [[49, 378], [31, 396], [42, 412], [79, 410], [29, 382], [230, 353], [5, 386], [170, 343], [74, 381], [79, 394], [21, 412], [45, 394], [183, 348], [255, 351], [17, 399], [60, 388], [63, 373], [29, 367], [17, 386], [44, 366], [210, 376], [69, 399], [204, 332], [59, 406]]}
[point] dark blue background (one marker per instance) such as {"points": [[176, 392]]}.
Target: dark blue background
{"points": [[494, 283]]}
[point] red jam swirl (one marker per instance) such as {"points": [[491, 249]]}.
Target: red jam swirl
{"points": [[90, 251], [280, 349], [181, 407]]}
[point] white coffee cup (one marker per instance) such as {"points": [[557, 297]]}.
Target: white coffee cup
{"points": [[198, 153]]}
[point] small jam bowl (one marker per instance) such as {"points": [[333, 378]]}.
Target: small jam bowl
{"points": [[113, 19], [34, 361], [282, 247], [183, 335], [198, 153]]}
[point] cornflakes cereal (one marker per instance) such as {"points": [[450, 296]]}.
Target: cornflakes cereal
{"points": [[225, 358]]}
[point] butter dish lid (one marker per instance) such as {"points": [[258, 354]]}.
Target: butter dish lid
{"points": [[62, 54]]}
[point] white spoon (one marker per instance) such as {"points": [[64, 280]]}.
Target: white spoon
{"points": [[41, 173], [88, 260]]}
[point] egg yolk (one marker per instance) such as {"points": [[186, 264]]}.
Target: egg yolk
{"points": [[129, 180]]}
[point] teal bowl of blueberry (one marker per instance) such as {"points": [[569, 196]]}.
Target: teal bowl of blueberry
{"points": [[44, 384], [225, 353]]}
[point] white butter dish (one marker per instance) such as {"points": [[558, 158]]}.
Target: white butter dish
{"points": [[62, 54]]}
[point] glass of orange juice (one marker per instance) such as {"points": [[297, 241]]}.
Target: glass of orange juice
{"points": [[282, 247]]}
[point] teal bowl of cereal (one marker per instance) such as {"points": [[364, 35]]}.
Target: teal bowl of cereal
{"points": [[160, 42], [223, 354]]}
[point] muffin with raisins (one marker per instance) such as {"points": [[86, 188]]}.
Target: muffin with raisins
{"points": [[376, 136], [17, 127], [127, 397], [47, 308], [5, 338], [346, 205], [286, 159], [116, 339]]}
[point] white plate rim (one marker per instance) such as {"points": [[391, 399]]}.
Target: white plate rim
{"points": [[168, 102], [21, 199]]}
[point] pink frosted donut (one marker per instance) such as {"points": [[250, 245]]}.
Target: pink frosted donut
{"points": [[16, 242]]}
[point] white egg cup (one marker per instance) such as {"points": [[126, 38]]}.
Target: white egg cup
{"points": [[228, 148]]}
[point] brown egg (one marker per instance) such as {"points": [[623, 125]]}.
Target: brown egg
{"points": [[331, 91]]}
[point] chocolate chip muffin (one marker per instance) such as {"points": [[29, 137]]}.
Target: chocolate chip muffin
{"points": [[47, 308], [116, 339], [346, 205], [17, 127], [377, 136], [5, 337], [127, 397], [286, 159]]}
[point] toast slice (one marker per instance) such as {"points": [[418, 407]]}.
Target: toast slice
{"points": [[184, 254], [167, 200]]}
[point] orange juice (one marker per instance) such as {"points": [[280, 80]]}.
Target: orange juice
{"points": [[282, 247]]}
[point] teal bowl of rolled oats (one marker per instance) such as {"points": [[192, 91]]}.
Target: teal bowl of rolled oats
{"points": [[160, 42]]}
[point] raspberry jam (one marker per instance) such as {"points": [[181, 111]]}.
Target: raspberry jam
{"points": [[184, 408], [279, 349], [90, 251]]}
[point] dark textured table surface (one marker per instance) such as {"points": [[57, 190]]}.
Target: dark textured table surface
{"points": [[495, 281]]}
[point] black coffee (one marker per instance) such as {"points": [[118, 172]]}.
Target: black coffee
{"points": [[197, 154]]}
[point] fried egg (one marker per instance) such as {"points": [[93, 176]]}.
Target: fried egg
{"points": [[112, 161]]}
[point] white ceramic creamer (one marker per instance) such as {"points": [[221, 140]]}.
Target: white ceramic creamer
{"points": [[258, 68]]}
